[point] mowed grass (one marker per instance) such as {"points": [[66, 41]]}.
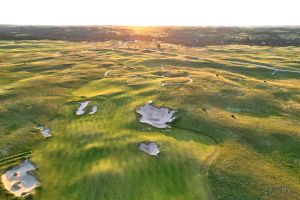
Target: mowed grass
{"points": [[97, 156], [236, 136]]}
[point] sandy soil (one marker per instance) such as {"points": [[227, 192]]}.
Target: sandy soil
{"points": [[106, 73], [18, 179], [80, 110], [149, 148], [46, 132], [94, 110], [157, 117]]}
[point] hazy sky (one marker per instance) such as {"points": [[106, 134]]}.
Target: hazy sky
{"points": [[151, 12]]}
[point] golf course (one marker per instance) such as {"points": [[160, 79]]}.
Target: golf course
{"points": [[74, 109]]}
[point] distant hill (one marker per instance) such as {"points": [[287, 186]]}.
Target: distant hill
{"points": [[189, 36]]}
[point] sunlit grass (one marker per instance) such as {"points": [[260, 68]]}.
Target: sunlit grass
{"points": [[97, 157]]}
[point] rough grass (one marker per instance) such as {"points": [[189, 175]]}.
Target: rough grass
{"points": [[97, 157]]}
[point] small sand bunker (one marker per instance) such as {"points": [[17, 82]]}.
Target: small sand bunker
{"points": [[107, 72], [80, 110], [46, 132], [82, 107], [94, 110], [19, 181], [157, 117], [150, 148]]}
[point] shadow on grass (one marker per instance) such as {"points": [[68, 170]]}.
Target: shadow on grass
{"points": [[142, 178], [280, 150], [210, 64], [37, 69]]}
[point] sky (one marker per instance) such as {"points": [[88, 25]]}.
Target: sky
{"points": [[151, 12]]}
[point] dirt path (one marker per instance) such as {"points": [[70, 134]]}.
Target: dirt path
{"points": [[106, 73], [267, 67]]}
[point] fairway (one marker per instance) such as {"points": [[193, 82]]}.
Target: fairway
{"points": [[235, 136], [97, 156]]}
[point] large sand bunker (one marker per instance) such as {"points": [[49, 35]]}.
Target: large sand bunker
{"points": [[46, 132], [149, 148], [157, 117], [18, 179]]}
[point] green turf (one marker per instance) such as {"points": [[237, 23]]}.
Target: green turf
{"points": [[206, 154]]}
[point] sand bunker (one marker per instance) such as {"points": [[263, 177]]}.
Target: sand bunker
{"points": [[157, 117], [46, 132], [149, 148], [19, 181], [94, 110], [106, 73], [80, 110], [83, 105]]}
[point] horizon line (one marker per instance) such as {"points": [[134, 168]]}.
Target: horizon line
{"points": [[132, 25]]}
